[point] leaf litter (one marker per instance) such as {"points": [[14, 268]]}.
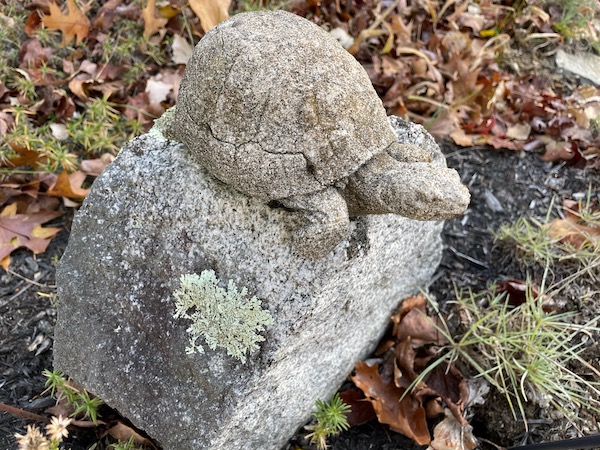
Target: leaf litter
{"points": [[447, 65], [407, 385]]}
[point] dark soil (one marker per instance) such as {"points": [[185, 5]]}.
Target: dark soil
{"points": [[504, 186]]}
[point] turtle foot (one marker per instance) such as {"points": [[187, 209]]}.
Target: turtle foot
{"points": [[326, 222]]}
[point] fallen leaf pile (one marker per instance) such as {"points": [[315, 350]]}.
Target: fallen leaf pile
{"points": [[27, 202], [449, 66], [399, 397], [78, 81]]}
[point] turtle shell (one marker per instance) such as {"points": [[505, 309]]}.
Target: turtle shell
{"points": [[272, 105]]}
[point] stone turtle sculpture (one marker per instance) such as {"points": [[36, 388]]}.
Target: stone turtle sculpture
{"points": [[273, 106]]}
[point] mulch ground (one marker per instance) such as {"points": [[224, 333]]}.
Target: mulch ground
{"points": [[504, 186]]}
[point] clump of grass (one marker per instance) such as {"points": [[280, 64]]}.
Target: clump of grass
{"points": [[127, 445], [524, 351], [99, 129], [530, 239], [330, 420], [576, 14], [534, 242]]}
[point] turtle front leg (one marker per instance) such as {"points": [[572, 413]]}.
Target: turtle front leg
{"points": [[327, 223], [418, 190]]}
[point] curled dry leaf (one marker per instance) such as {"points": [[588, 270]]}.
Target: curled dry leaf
{"points": [[94, 167], [448, 383], [517, 293], [182, 50], [519, 131], [124, 433], [403, 414], [572, 233], [560, 151], [412, 321], [574, 229], [450, 434], [26, 157]]}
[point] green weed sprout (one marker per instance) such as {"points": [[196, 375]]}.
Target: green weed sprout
{"points": [[81, 401], [331, 420], [127, 445], [523, 351]]}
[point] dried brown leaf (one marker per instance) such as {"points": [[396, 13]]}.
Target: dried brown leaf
{"points": [[450, 434], [403, 31], [519, 131], [24, 230], [32, 23], [182, 50], [573, 233], [412, 322], [26, 157], [517, 292], [421, 328], [361, 410], [33, 55], [152, 23], [69, 185], [461, 138], [450, 385], [403, 414], [559, 151], [94, 167], [210, 12], [473, 21], [124, 433], [73, 24]]}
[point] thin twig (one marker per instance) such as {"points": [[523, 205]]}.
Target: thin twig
{"points": [[27, 279], [20, 412]]}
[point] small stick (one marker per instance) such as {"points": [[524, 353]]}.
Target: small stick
{"points": [[19, 412]]}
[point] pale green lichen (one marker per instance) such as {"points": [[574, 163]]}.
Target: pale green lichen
{"points": [[162, 123], [224, 318]]}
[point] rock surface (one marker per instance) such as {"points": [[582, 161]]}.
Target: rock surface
{"points": [[586, 65], [154, 215]]}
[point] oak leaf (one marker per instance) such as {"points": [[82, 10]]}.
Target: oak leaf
{"points": [[152, 24], [73, 24], [24, 230], [69, 185], [405, 414], [210, 12]]}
